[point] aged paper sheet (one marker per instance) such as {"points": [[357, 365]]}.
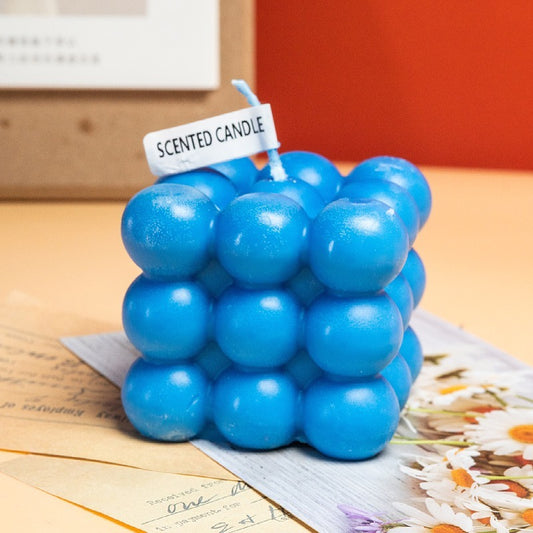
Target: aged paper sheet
{"points": [[52, 403]]}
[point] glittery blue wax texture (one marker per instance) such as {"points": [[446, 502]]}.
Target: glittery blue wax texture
{"points": [[276, 310]]}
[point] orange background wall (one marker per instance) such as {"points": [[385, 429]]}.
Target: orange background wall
{"points": [[437, 82]]}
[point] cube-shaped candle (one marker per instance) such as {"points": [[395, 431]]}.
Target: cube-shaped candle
{"points": [[276, 310]]}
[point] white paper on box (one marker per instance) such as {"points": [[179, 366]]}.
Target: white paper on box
{"points": [[213, 140], [61, 44]]}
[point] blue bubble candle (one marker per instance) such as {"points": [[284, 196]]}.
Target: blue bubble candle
{"points": [[275, 304]]}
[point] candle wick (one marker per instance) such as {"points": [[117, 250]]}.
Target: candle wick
{"points": [[245, 90], [276, 167]]}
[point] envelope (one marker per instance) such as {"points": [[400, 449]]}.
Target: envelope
{"points": [[154, 501]]}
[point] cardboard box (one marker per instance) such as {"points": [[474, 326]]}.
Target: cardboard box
{"points": [[87, 144]]}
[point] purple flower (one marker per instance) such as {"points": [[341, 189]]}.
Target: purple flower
{"points": [[362, 522]]}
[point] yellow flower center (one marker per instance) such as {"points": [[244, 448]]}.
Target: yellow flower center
{"points": [[527, 515], [462, 478], [521, 461], [522, 433], [515, 487], [452, 388], [446, 528], [481, 409]]}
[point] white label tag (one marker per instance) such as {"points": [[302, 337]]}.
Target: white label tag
{"points": [[213, 140]]}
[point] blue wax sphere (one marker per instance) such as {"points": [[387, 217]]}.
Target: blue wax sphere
{"points": [[397, 373], [400, 292], [258, 328], [401, 172], [415, 273], [301, 192], [353, 337], [166, 321], [390, 194], [305, 286], [213, 184], [241, 172], [166, 402], [357, 247], [255, 410], [312, 168], [168, 230], [411, 351], [348, 420], [261, 238]]}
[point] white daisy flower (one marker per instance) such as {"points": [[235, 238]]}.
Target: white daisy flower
{"points": [[442, 386], [522, 474], [496, 380], [505, 432], [444, 383], [459, 414], [482, 512], [469, 384], [499, 526], [454, 458], [518, 519], [450, 392], [513, 494], [440, 518], [485, 501], [431, 379], [462, 456], [450, 479]]}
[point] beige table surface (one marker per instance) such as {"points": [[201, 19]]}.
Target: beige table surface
{"points": [[477, 248]]}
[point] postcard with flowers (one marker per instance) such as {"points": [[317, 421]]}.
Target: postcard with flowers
{"points": [[470, 419], [461, 461]]}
